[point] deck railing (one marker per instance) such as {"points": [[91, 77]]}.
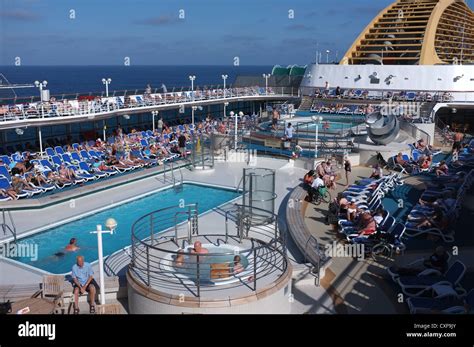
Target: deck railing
{"points": [[103, 105], [154, 257]]}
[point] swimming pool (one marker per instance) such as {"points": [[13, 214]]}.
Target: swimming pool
{"points": [[304, 126], [54, 240]]}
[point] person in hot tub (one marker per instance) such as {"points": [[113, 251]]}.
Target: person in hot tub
{"points": [[199, 249], [179, 260], [238, 267]]}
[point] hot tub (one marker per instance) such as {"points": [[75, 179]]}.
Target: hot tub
{"points": [[214, 269]]}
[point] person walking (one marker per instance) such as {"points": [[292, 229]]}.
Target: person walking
{"points": [[347, 169]]}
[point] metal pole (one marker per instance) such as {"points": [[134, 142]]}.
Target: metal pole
{"points": [[235, 132], [254, 269], [198, 273], [40, 141], [192, 115], [151, 228], [189, 225], [316, 142], [153, 120], [148, 265], [101, 264], [104, 129]]}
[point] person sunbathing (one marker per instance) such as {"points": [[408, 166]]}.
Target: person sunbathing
{"points": [[55, 178], [403, 163], [377, 172], [65, 174], [352, 211], [20, 185], [442, 169], [136, 160], [437, 220], [437, 261], [425, 162], [9, 192], [37, 179], [366, 227]]}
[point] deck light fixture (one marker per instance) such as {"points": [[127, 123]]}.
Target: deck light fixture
{"points": [[192, 78], [266, 76], [154, 114], [224, 78], [106, 81], [317, 120], [111, 225]]}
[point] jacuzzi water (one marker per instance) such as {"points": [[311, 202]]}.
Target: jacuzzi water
{"points": [[54, 240], [189, 267]]}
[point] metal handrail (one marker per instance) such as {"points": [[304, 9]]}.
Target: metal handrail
{"points": [[64, 108], [415, 131], [146, 257], [318, 260], [5, 226]]}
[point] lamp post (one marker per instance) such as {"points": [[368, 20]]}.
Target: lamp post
{"points": [[327, 56], [316, 120], [111, 225], [266, 76], [40, 86], [225, 109], [154, 114], [192, 78], [224, 78], [106, 81], [236, 119], [193, 108]]}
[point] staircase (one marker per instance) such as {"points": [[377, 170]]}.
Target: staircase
{"points": [[426, 109], [306, 103], [442, 135]]}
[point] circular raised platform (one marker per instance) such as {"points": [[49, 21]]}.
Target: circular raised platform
{"points": [[245, 270]]}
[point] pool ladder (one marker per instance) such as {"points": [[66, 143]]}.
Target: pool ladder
{"points": [[314, 269], [192, 214], [5, 226]]}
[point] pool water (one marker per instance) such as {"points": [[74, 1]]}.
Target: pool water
{"points": [[302, 128], [55, 239], [189, 268]]}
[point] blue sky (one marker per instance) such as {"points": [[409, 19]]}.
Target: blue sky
{"points": [[213, 32]]}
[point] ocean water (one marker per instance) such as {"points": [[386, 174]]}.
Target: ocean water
{"points": [[84, 79]]}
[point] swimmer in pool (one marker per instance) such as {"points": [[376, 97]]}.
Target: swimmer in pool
{"points": [[238, 267], [72, 246]]}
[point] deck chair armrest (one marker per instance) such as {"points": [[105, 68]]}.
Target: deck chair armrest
{"points": [[37, 293], [58, 296], [416, 262], [429, 272]]}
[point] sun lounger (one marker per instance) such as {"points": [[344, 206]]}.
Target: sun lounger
{"points": [[447, 304], [417, 285]]}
